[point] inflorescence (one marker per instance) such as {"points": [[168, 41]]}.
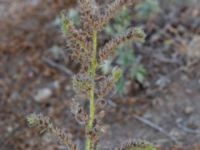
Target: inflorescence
{"points": [[88, 84]]}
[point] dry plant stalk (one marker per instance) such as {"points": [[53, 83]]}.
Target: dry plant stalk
{"points": [[84, 49]]}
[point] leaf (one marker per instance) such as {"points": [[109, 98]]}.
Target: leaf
{"points": [[138, 73], [147, 8], [140, 77], [106, 66], [120, 85], [74, 16]]}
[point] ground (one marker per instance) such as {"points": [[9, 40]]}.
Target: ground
{"points": [[165, 111]]}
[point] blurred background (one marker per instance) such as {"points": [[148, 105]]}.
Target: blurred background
{"points": [[156, 99]]}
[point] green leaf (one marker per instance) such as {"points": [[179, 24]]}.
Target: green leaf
{"points": [[74, 16], [139, 73], [120, 86], [147, 8], [140, 77], [106, 66]]}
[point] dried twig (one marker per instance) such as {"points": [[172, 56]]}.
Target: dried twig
{"points": [[156, 127], [58, 67], [184, 68], [180, 124]]}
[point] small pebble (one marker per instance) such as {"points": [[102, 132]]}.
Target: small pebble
{"points": [[43, 94], [10, 129], [188, 110]]}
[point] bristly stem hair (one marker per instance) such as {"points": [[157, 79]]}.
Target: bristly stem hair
{"points": [[84, 50]]}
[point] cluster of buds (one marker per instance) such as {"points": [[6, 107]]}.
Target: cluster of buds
{"points": [[79, 113], [82, 84], [88, 14], [84, 50], [44, 124], [106, 84], [136, 145]]}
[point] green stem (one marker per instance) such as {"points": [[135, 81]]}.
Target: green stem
{"points": [[93, 69], [92, 105]]}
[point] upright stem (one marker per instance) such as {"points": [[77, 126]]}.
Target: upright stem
{"points": [[94, 54], [93, 71]]}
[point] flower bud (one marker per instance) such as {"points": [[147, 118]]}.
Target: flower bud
{"points": [[64, 23], [116, 73]]}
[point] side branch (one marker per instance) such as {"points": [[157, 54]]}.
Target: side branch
{"points": [[87, 12], [75, 36], [135, 34], [111, 11]]}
